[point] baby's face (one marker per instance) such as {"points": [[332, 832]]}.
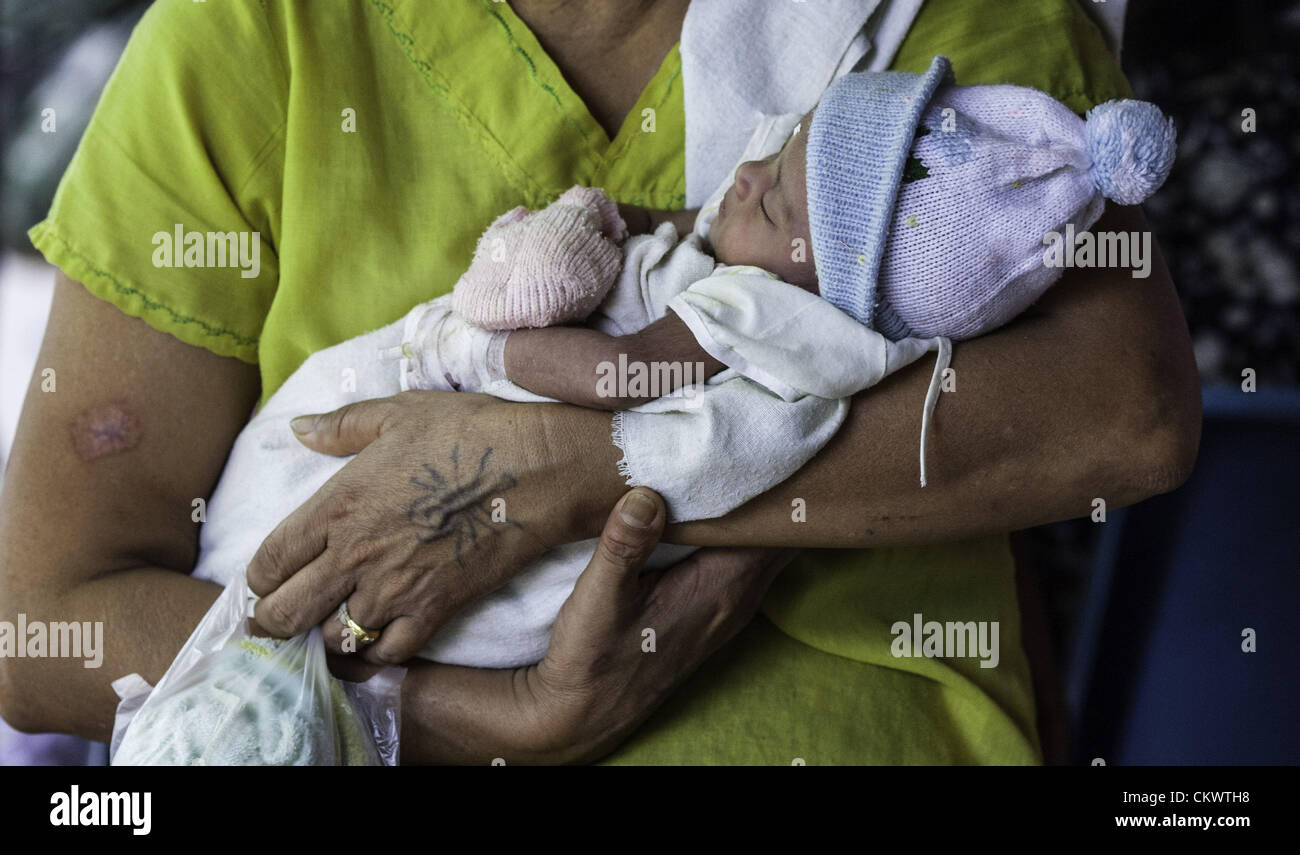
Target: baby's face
{"points": [[763, 220]]}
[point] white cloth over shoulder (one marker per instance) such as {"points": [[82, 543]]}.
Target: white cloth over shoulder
{"points": [[797, 344], [739, 63], [725, 442], [656, 268], [790, 340]]}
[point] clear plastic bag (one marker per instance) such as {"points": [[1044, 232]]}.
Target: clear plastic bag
{"points": [[231, 698]]}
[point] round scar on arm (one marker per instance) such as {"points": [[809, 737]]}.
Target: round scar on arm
{"points": [[104, 429]]}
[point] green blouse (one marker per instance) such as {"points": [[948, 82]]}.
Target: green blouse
{"points": [[369, 143]]}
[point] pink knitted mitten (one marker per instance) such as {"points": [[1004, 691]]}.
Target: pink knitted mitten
{"points": [[538, 269]]}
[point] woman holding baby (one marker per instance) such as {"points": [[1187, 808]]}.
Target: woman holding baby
{"points": [[456, 118]]}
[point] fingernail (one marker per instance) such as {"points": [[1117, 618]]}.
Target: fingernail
{"points": [[303, 424], [638, 510]]}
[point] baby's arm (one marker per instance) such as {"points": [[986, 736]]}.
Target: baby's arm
{"points": [[641, 221], [582, 366]]}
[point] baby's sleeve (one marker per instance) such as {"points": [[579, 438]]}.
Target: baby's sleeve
{"points": [[710, 448], [788, 339], [656, 268]]}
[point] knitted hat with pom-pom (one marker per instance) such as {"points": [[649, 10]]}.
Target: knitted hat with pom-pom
{"points": [[929, 202]]}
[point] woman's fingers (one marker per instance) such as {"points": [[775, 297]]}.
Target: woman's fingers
{"points": [[295, 543], [597, 625], [718, 591], [400, 636], [303, 600], [609, 586], [401, 640], [346, 430], [600, 678], [631, 533], [604, 589]]}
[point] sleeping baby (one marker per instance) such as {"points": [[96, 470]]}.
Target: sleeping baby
{"points": [[902, 213]]}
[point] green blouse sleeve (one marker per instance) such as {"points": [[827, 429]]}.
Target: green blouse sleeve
{"points": [[177, 143]]}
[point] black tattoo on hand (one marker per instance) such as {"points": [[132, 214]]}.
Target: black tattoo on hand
{"points": [[447, 508]]}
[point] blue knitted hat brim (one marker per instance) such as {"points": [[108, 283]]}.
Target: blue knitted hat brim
{"points": [[861, 135]]}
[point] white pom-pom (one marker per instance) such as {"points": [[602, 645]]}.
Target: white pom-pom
{"points": [[1132, 146]]}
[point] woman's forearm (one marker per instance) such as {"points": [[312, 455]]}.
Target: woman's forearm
{"points": [[143, 616], [106, 534], [1091, 396], [441, 724], [101, 493], [148, 613]]}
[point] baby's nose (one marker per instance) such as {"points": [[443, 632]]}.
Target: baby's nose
{"points": [[747, 177]]}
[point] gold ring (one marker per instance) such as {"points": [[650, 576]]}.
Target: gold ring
{"points": [[359, 632]]}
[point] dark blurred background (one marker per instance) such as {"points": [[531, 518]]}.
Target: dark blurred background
{"points": [[1228, 222], [1144, 612]]}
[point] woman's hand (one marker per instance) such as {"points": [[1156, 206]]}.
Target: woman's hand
{"points": [[449, 496], [623, 641], [604, 672]]}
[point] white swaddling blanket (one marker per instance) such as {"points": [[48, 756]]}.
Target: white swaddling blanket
{"points": [[745, 442], [668, 442], [707, 450], [744, 61]]}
